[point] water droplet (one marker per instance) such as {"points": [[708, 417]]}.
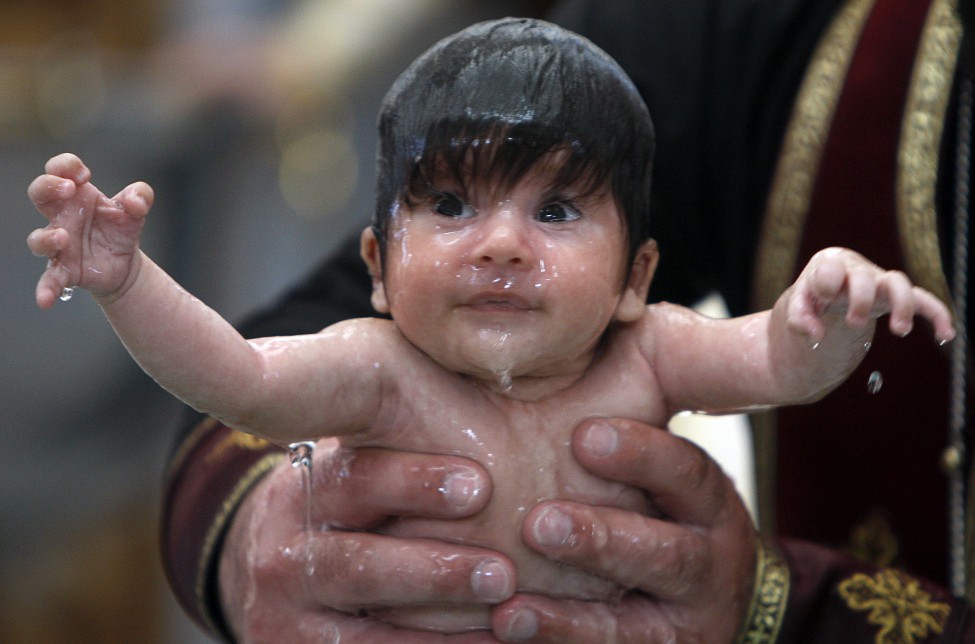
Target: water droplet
{"points": [[875, 382], [814, 346], [66, 293], [867, 345], [301, 454]]}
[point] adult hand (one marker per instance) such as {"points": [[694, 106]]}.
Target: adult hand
{"points": [[692, 569], [280, 582]]}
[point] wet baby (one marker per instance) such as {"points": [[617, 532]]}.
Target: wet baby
{"points": [[510, 247]]}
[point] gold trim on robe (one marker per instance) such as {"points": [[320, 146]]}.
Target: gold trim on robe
{"points": [[795, 178]]}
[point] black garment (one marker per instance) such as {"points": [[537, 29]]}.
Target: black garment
{"points": [[719, 78]]}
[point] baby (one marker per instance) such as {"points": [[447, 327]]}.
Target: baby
{"points": [[510, 247]]}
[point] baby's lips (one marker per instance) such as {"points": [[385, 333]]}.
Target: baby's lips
{"points": [[499, 301]]}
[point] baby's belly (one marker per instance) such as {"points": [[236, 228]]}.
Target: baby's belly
{"points": [[519, 484]]}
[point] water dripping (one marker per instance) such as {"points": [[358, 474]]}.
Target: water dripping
{"points": [[875, 382], [66, 294], [301, 458]]}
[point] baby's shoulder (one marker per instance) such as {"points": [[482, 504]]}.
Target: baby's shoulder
{"points": [[367, 330], [661, 324], [377, 339]]}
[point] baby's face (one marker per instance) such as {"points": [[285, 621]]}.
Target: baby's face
{"points": [[506, 285]]}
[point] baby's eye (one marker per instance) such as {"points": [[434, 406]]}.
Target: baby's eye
{"points": [[450, 205], [558, 213]]}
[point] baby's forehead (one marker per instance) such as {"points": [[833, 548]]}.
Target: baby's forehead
{"points": [[489, 168]]}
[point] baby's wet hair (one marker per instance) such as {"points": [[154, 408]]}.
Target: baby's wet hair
{"points": [[494, 99]]}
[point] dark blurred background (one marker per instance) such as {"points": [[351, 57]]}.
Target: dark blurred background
{"points": [[253, 120]]}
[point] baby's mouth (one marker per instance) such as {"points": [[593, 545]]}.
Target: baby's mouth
{"points": [[498, 302]]}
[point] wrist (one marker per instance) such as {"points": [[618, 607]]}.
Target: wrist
{"points": [[767, 608], [107, 298]]}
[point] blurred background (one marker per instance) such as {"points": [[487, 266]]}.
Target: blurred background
{"points": [[253, 120]]}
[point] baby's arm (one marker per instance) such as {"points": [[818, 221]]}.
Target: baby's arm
{"points": [[813, 338], [280, 388]]}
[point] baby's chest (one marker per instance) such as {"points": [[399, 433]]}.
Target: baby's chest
{"points": [[526, 447]]}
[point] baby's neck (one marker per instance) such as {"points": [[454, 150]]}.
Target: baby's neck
{"points": [[531, 388]]}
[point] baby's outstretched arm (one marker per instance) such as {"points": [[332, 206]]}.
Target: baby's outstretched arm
{"points": [[814, 337], [279, 388], [820, 326], [91, 241]]}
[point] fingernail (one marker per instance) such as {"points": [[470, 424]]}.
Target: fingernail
{"points": [[463, 487], [491, 581], [552, 528], [601, 440], [523, 626]]}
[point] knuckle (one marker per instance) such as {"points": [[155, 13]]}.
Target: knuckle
{"points": [[268, 569], [341, 576], [681, 564], [696, 472]]}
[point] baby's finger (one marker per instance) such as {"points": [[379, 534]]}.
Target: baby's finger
{"points": [[934, 310], [47, 242], [136, 199], [49, 287], [68, 166], [47, 189], [802, 316], [828, 276], [897, 288], [861, 288]]}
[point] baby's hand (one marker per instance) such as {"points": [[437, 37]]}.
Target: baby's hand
{"points": [[838, 279], [92, 241]]}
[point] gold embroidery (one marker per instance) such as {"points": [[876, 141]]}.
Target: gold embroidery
{"points": [[896, 604], [917, 157], [769, 600], [236, 439], [873, 540], [788, 204], [795, 175], [188, 445], [206, 564]]}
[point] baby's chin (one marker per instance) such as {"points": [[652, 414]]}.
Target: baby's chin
{"points": [[494, 358]]}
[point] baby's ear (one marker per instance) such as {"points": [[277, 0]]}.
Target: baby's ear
{"points": [[633, 300], [371, 254]]}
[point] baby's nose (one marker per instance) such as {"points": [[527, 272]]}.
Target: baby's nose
{"points": [[504, 239]]}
